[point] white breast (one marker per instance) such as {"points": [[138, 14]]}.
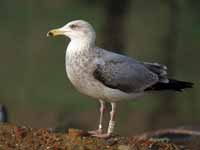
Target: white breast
{"points": [[80, 68]]}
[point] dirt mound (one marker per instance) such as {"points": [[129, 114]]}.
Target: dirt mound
{"points": [[13, 137]]}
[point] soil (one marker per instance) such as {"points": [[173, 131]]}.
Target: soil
{"points": [[13, 137]]}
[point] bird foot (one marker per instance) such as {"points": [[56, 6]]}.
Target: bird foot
{"points": [[99, 133], [102, 135], [95, 132]]}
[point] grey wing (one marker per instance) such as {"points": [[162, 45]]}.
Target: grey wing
{"points": [[160, 70], [125, 74]]}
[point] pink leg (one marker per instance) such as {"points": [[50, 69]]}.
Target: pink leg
{"points": [[111, 123], [102, 110]]}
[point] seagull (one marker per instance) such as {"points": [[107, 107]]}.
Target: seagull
{"points": [[108, 76]]}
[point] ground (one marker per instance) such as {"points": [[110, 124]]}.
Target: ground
{"points": [[13, 137]]}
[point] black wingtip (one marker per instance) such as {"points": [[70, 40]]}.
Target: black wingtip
{"points": [[180, 85], [175, 85]]}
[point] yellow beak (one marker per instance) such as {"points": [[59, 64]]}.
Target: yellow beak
{"points": [[55, 32]]}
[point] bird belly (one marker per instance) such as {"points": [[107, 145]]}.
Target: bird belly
{"points": [[85, 84], [81, 77]]}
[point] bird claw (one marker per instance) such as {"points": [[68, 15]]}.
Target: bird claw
{"points": [[102, 135], [99, 133], [95, 132]]}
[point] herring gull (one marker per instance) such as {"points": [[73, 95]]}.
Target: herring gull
{"points": [[108, 76]]}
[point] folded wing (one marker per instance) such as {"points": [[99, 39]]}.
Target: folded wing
{"points": [[124, 73]]}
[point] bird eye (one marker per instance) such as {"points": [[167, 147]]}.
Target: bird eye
{"points": [[73, 26]]}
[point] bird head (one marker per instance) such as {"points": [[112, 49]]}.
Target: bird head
{"points": [[75, 30]]}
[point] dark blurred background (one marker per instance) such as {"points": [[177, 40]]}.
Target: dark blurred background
{"points": [[35, 88]]}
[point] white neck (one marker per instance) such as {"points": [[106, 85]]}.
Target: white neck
{"points": [[80, 45]]}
